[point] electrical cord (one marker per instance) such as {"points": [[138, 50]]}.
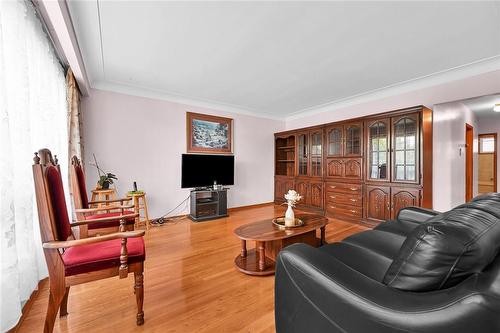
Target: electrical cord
{"points": [[161, 220]]}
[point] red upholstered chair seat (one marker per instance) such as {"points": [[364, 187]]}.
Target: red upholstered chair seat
{"points": [[97, 256], [116, 223]]}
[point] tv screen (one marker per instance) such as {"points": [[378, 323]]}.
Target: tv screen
{"points": [[203, 170]]}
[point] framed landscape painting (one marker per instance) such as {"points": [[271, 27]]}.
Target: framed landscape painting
{"points": [[209, 134]]}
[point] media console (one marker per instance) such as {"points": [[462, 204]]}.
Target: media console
{"points": [[208, 204]]}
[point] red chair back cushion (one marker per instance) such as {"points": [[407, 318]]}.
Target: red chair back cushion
{"points": [[109, 224], [56, 192], [81, 186]]}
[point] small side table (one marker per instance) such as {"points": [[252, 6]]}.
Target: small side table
{"points": [[137, 197], [99, 195]]}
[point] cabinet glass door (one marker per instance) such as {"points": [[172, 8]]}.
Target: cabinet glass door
{"points": [[303, 152], [316, 153], [334, 137], [405, 149], [353, 140], [378, 150]]}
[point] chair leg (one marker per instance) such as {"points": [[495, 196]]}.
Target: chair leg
{"points": [[139, 296], [146, 211], [64, 304], [55, 297]]}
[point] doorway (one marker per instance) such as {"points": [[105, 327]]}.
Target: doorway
{"points": [[487, 163], [469, 142]]}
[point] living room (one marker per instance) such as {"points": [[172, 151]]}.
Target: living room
{"points": [[249, 166]]}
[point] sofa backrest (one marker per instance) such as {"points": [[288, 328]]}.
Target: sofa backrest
{"points": [[449, 247]]}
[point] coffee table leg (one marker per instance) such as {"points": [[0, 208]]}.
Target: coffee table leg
{"points": [[243, 248], [262, 255], [322, 229]]}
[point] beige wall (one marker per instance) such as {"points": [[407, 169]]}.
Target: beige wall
{"points": [[142, 139]]}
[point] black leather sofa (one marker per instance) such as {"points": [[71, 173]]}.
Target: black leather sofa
{"points": [[423, 272]]}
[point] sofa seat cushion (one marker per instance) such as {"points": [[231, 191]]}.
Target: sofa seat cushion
{"points": [[381, 242], [363, 260], [448, 248], [400, 227], [97, 256], [109, 224]]}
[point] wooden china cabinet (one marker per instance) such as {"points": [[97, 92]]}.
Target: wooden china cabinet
{"points": [[364, 170], [309, 180], [284, 165]]}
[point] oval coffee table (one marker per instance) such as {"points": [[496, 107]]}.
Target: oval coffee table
{"points": [[270, 239]]}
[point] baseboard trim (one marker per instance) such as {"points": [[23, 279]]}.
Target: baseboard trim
{"points": [[235, 209], [232, 209], [28, 305]]}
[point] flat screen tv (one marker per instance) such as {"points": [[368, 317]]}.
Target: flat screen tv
{"points": [[202, 170]]}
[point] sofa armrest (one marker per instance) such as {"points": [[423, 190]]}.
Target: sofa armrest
{"points": [[416, 214], [315, 292]]}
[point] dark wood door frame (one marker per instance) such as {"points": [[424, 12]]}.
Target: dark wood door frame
{"points": [[495, 170], [469, 163]]}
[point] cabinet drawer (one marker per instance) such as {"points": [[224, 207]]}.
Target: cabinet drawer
{"points": [[343, 188], [344, 211], [344, 199]]}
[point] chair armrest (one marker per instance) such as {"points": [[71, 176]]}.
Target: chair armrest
{"points": [[416, 214], [92, 240], [315, 292], [104, 219], [108, 208], [109, 201]]}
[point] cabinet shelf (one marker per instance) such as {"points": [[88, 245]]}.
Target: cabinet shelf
{"points": [[285, 155], [204, 203]]}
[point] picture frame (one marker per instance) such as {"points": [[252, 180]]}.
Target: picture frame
{"points": [[209, 134]]}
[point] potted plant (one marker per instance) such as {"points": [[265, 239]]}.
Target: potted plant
{"points": [[105, 178]]}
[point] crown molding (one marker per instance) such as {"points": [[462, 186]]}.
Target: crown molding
{"points": [[453, 74], [457, 73], [133, 90]]}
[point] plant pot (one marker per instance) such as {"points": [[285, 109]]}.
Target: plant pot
{"points": [[105, 186]]}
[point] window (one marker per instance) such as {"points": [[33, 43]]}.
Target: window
{"points": [[486, 144], [33, 115]]}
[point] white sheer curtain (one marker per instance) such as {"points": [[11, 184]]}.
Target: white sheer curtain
{"points": [[33, 115]]}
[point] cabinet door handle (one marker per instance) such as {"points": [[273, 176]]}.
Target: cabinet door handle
{"points": [[332, 196], [333, 207], [333, 186], [352, 211], [353, 200], [353, 189]]}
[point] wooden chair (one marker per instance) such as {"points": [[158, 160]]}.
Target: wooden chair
{"points": [[85, 211], [71, 262]]}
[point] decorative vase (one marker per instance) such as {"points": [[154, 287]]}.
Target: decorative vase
{"points": [[289, 217]]}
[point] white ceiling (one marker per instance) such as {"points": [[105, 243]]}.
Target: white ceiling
{"points": [[278, 58], [483, 106]]}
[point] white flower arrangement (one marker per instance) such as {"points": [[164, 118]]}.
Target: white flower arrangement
{"points": [[292, 197]]}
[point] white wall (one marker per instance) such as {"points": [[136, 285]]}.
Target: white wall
{"points": [[141, 139], [491, 124], [449, 154]]}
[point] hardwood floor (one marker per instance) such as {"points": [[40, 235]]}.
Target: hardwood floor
{"points": [[191, 284]]}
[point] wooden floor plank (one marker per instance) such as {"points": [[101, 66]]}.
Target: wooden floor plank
{"points": [[191, 284]]}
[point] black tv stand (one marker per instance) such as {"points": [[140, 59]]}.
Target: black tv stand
{"points": [[208, 204]]}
